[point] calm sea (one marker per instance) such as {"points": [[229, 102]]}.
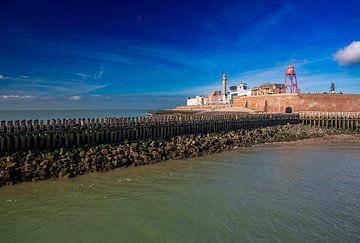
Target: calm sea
{"points": [[60, 114], [282, 192]]}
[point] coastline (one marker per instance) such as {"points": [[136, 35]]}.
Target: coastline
{"points": [[316, 140], [32, 166]]}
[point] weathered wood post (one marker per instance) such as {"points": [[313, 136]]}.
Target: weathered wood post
{"points": [[36, 134], [9, 130], [41, 134], [48, 134], [2, 137], [16, 135], [29, 135]]}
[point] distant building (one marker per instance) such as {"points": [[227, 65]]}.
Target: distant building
{"points": [[227, 97], [198, 100], [238, 90], [267, 88], [221, 97], [215, 98]]}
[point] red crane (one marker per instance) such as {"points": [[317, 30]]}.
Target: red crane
{"points": [[290, 82]]}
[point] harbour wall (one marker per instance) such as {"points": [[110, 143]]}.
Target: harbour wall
{"points": [[280, 103]]}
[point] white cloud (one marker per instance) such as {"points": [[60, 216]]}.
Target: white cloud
{"points": [[23, 76], [3, 77], [349, 54], [17, 97], [75, 98]]}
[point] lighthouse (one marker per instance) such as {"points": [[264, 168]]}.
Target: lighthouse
{"points": [[290, 81], [224, 79]]}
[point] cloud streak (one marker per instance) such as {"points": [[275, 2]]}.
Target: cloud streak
{"points": [[83, 75], [3, 77], [75, 98], [17, 97], [349, 55], [41, 86]]}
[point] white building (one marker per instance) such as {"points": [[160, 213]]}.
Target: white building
{"points": [[238, 90], [198, 100]]}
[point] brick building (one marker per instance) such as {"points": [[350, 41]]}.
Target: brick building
{"points": [[215, 98], [266, 89]]}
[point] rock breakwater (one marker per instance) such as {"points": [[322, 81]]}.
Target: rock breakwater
{"points": [[33, 166]]}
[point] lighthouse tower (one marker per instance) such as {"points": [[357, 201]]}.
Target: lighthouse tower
{"points": [[290, 82], [224, 79]]}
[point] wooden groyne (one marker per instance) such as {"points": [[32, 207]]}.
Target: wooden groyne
{"points": [[40, 135], [340, 120], [75, 161]]}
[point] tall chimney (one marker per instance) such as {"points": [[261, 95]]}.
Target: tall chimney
{"points": [[224, 84]]}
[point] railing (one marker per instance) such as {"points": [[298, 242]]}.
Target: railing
{"points": [[51, 134], [341, 120]]}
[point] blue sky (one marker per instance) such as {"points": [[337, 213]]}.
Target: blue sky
{"points": [[109, 54]]}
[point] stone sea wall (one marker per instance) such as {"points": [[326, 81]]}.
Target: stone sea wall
{"points": [[71, 162]]}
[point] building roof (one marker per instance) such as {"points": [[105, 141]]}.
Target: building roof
{"points": [[269, 85], [217, 92]]}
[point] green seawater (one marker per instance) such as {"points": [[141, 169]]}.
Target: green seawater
{"points": [[270, 193]]}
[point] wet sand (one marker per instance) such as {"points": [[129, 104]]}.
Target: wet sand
{"points": [[327, 138]]}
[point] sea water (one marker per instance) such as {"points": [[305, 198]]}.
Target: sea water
{"points": [[9, 115], [280, 192]]}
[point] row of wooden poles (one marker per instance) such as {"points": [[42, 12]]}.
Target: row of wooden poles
{"points": [[52, 134], [340, 120]]}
